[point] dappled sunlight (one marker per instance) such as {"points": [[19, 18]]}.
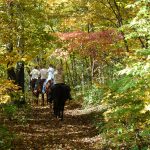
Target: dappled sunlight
{"points": [[44, 132]]}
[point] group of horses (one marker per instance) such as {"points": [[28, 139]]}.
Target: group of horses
{"points": [[56, 95]]}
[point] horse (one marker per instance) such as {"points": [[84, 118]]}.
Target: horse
{"points": [[37, 86], [48, 86], [59, 94]]}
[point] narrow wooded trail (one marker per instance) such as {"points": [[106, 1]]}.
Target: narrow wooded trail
{"points": [[43, 132]]}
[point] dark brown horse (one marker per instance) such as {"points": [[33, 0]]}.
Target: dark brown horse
{"points": [[37, 86], [37, 89], [48, 90]]}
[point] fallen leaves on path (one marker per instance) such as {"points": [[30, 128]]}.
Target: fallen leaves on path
{"points": [[44, 132]]}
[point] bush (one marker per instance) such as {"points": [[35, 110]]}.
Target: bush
{"points": [[9, 111], [93, 95], [18, 99], [128, 124], [6, 138]]}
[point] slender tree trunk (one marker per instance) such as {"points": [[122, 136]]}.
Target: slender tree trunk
{"points": [[70, 78], [119, 18], [92, 69], [67, 73], [11, 75], [18, 76], [74, 70]]}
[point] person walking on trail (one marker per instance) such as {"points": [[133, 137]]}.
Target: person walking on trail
{"points": [[35, 74]]}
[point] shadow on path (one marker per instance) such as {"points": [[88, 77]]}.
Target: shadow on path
{"points": [[43, 132]]}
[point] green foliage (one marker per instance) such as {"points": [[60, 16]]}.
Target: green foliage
{"points": [[6, 138], [9, 111], [18, 99], [128, 102], [128, 114], [2, 71], [139, 22], [93, 95], [24, 24]]}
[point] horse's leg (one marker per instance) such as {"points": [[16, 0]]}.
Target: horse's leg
{"points": [[41, 90], [42, 99], [51, 108], [56, 108], [37, 97], [61, 115], [58, 112], [62, 110], [36, 100], [47, 97]]}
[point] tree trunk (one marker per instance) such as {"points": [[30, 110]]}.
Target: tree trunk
{"points": [[119, 18], [20, 75]]}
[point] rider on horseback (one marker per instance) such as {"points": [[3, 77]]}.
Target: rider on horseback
{"points": [[43, 77], [48, 83], [35, 74]]}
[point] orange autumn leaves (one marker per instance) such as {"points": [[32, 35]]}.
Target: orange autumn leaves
{"points": [[92, 44]]}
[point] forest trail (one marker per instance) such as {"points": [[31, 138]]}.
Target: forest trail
{"points": [[44, 132]]}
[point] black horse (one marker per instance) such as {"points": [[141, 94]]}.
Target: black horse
{"points": [[59, 94]]}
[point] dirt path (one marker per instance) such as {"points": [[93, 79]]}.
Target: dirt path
{"points": [[43, 132]]}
